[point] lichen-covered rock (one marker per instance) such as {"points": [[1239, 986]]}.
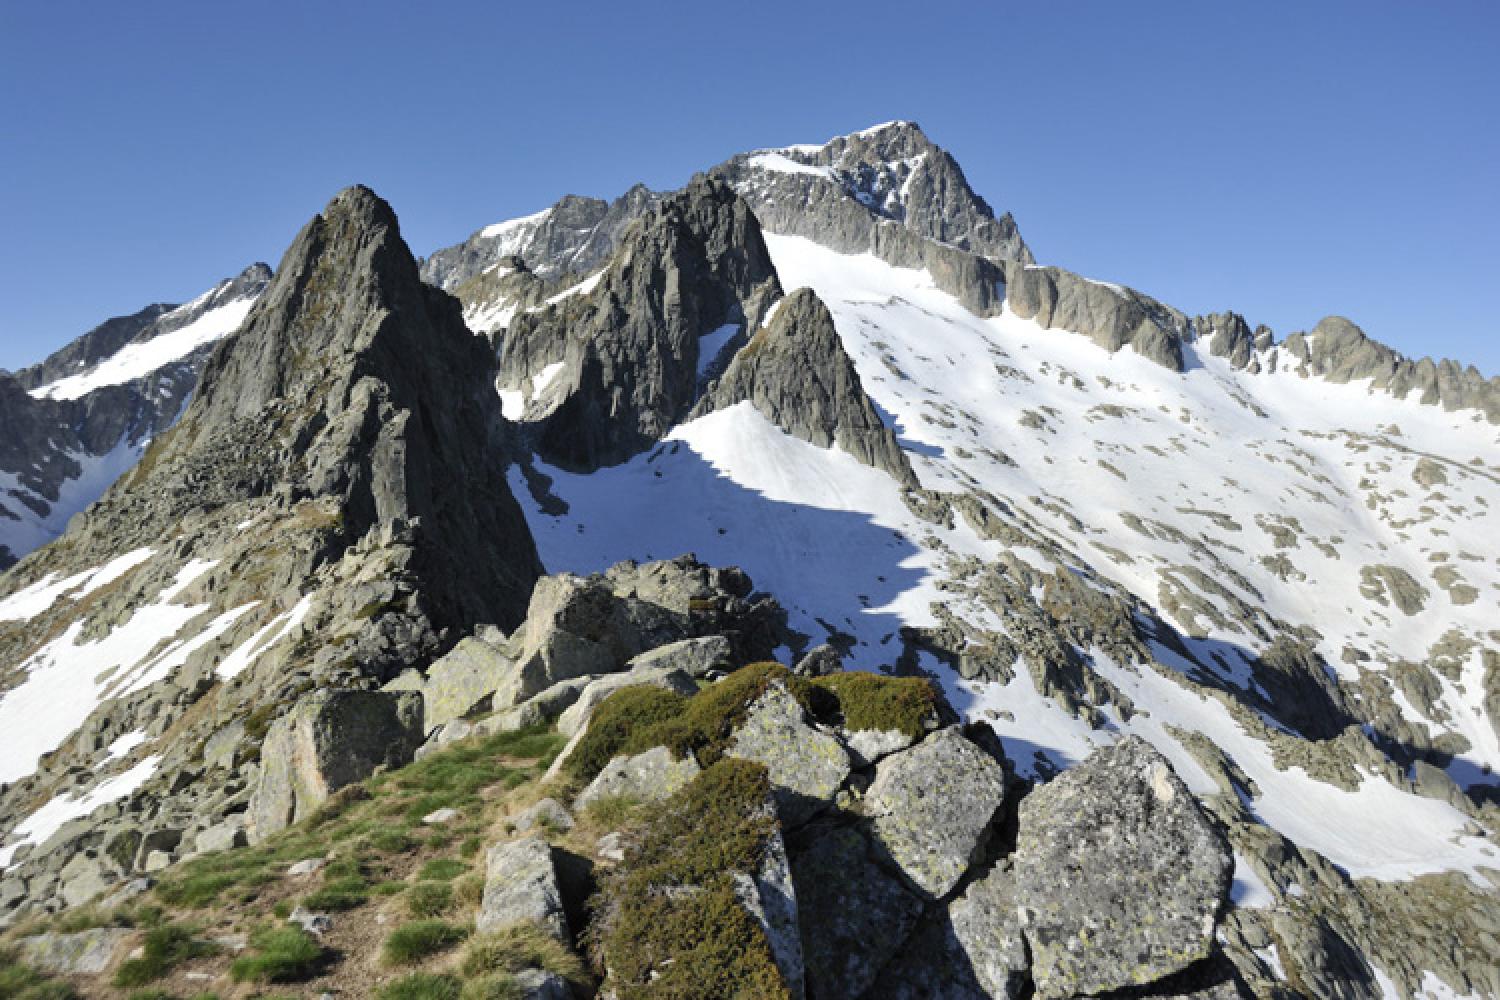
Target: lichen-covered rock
{"points": [[647, 777], [806, 765], [694, 657], [330, 738], [1119, 875], [971, 949], [84, 953], [770, 897], [545, 813], [932, 806], [461, 681], [985, 924], [867, 746], [852, 913], [520, 884]]}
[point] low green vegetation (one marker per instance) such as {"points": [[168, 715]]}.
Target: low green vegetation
{"points": [[429, 899], [164, 948], [421, 986], [864, 701], [663, 945], [442, 870], [338, 894], [504, 952], [415, 941], [282, 954], [635, 719], [363, 824], [19, 981]]}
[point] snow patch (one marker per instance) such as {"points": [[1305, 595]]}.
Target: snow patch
{"points": [[135, 361]]}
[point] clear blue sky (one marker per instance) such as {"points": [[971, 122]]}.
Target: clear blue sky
{"points": [[1287, 160]]}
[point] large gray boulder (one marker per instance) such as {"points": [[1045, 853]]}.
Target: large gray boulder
{"points": [[931, 808], [1120, 876], [330, 738], [987, 929], [645, 777], [852, 913], [84, 953], [694, 657], [806, 765], [520, 885], [461, 681]]}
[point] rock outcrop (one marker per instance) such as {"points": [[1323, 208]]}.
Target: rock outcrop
{"points": [[78, 419], [795, 371], [1339, 351], [576, 235], [1112, 316], [330, 739], [628, 346]]}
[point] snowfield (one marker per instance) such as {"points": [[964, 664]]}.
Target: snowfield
{"points": [[1277, 488], [139, 360]]}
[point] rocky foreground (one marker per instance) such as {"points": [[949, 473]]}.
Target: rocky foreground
{"points": [[709, 829]]}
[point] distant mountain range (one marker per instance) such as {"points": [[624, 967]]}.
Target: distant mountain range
{"points": [[1082, 513]]}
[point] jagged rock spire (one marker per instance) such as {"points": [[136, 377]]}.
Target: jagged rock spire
{"points": [[352, 379], [795, 371]]}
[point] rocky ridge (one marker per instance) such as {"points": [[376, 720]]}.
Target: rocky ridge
{"points": [[1187, 622], [296, 533], [78, 419]]}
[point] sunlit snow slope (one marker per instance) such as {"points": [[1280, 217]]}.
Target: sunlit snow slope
{"points": [[1239, 506]]}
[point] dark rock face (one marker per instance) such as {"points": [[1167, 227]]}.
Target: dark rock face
{"points": [[794, 370], [576, 235], [890, 192], [1109, 315], [319, 395], [629, 347], [1119, 875]]}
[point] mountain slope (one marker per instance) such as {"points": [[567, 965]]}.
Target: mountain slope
{"points": [[1088, 515], [76, 421], [324, 515]]}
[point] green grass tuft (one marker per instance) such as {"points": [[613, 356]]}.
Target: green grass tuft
{"points": [[419, 939], [165, 948], [421, 986], [519, 946], [283, 954], [19, 981], [429, 899], [339, 894], [442, 869]]}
